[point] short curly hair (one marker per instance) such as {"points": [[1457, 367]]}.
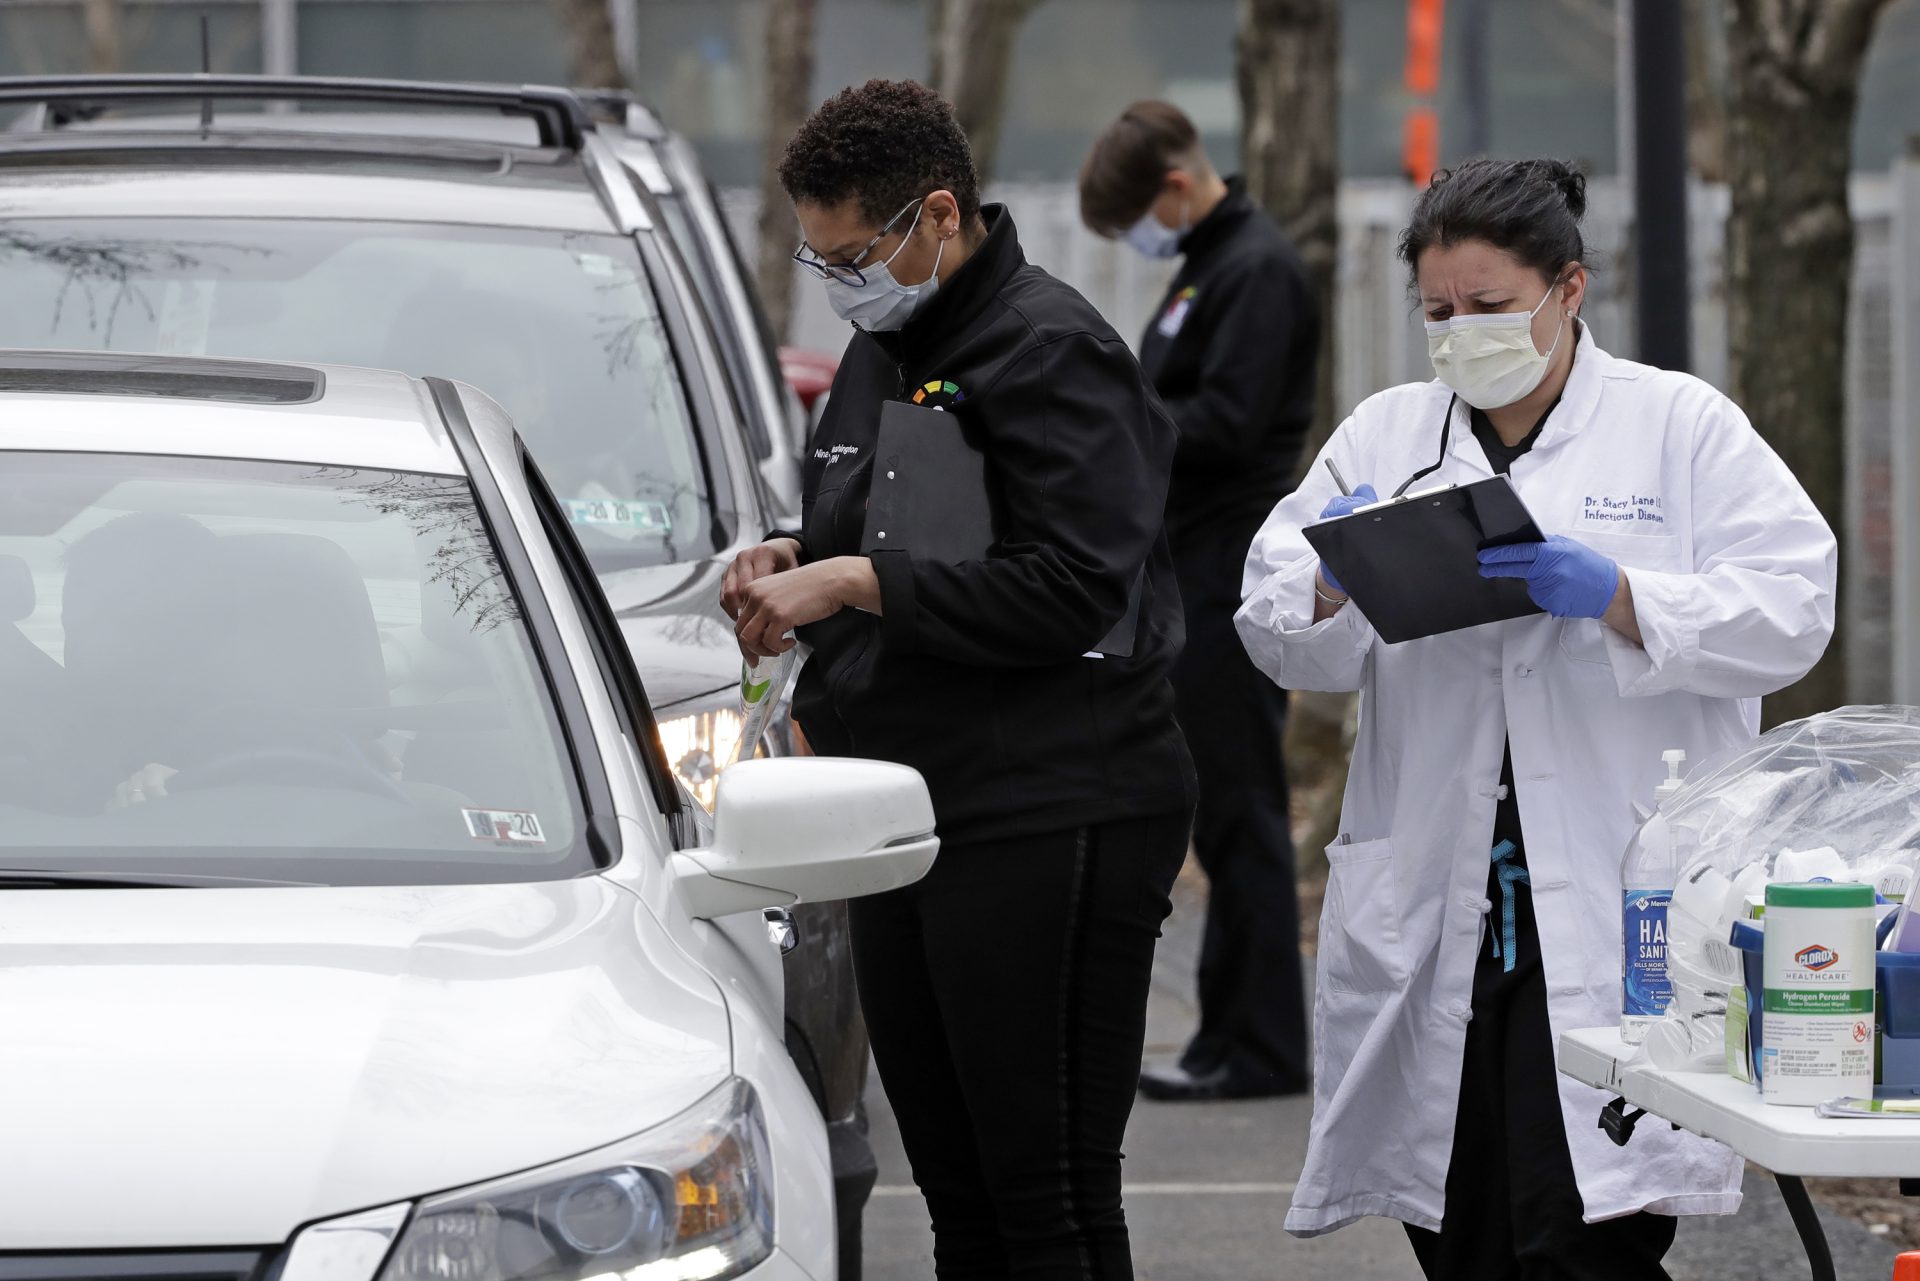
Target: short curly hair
{"points": [[885, 144]]}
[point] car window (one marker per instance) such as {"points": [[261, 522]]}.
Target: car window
{"points": [[269, 670], [697, 253], [563, 329]]}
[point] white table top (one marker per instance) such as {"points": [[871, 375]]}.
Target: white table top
{"points": [[1786, 1140]]}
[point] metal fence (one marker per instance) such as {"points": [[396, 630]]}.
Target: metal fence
{"points": [[1380, 343]]}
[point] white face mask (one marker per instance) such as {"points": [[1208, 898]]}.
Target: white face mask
{"points": [[1490, 361], [883, 304], [1154, 239]]}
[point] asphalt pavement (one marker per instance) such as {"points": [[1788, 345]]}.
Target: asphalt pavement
{"points": [[1208, 1185]]}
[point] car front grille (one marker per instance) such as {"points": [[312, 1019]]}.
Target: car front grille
{"points": [[132, 1265]]}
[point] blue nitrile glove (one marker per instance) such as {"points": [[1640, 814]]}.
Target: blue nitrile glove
{"points": [[1343, 505], [1568, 579]]}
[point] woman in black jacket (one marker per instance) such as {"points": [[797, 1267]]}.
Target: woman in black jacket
{"points": [[1006, 993]]}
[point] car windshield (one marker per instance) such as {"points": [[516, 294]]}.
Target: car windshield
{"points": [[562, 329], [268, 671]]}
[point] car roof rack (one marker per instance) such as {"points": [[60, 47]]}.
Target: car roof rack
{"points": [[624, 108], [559, 115]]}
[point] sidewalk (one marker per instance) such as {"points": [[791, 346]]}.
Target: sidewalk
{"points": [[1208, 1185]]}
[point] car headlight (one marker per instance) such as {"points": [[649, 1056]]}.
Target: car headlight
{"points": [[699, 746], [691, 1200]]}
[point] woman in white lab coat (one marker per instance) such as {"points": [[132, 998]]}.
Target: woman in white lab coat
{"points": [[1473, 907]]}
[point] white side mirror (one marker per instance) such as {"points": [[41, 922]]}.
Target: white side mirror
{"points": [[808, 828]]}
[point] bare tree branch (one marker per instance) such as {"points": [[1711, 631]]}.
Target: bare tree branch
{"points": [[1287, 55], [593, 53], [104, 27], [971, 47], [1794, 68], [790, 27]]}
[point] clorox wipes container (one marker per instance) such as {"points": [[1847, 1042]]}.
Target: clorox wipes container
{"points": [[1818, 963]]}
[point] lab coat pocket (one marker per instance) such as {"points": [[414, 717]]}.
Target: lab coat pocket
{"points": [[1584, 639], [1360, 922]]}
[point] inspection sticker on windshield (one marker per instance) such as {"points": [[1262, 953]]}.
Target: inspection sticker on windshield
{"points": [[505, 826], [603, 512]]}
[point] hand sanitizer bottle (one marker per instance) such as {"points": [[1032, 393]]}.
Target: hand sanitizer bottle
{"points": [[1646, 881]]}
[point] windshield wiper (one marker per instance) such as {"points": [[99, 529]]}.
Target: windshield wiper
{"points": [[41, 878]]}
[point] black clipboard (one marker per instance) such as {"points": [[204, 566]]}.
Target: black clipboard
{"points": [[932, 496], [1411, 565]]}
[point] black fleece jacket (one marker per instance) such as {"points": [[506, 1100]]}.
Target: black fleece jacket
{"points": [[1233, 352], [976, 674]]}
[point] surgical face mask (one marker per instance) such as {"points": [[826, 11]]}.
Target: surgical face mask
{"points": [[883, 304], [1154, 239], [1490, 361]]}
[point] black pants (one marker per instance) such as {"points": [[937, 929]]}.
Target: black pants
{"points": [[1253, 1017], [1006, 996], [1513, 1207]]}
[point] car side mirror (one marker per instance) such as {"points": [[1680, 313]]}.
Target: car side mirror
{"points": [[808, 829]]}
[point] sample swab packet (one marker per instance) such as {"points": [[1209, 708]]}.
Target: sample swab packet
{"points": [[763, 685]]}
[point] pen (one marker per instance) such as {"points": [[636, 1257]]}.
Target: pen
{"points": [[1338, 479]]}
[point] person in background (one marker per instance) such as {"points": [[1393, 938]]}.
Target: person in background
{"points": [[1473, 904], [1232, 350], [1006, 993]]}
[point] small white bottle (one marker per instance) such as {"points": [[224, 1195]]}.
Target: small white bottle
{"points": [[1646, 884]]}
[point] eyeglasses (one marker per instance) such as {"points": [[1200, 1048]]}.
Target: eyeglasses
{"points": [[846, 272]]}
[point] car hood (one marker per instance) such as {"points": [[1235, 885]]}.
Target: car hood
{"points": [[681, 640], [193, 1067]]}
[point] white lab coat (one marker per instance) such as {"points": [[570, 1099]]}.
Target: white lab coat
{"points": [[1732, 574]]}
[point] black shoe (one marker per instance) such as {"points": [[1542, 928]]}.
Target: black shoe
{"points": [[1177, 1085]]}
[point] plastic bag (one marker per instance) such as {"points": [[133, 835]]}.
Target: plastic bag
{"points": [[1843, 785], [763, 689]]}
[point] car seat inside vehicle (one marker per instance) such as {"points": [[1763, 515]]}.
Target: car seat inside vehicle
{"points": [[186, 647]]}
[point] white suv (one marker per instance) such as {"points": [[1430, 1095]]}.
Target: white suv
{"points": [[351, 923]]}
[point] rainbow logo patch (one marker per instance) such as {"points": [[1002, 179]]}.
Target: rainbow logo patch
{"points": [[940, 392], [1176, 313]]}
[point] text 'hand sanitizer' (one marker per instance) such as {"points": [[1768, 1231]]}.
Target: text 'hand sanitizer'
{"points": [[1646, 883]]}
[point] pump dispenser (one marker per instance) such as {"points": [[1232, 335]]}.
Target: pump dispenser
{"points": [[1646, 884], [1674, 757]]}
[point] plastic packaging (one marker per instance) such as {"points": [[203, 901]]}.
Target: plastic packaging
{"points": [[1843, 785], [763, 685], [1646, 888]]}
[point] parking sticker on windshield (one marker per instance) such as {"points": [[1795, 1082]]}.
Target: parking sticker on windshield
{"points": [[505, 827], [186, 316], [617, 517]]}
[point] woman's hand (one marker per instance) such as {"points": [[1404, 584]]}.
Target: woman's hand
{"points": [[1568, 579], [775, 556], [772, 606], [1325, 584]]}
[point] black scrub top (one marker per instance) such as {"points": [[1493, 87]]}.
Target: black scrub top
{"points": [[1506, 818]]}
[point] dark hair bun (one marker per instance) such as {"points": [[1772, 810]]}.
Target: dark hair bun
{"points": [[1571, 183]]}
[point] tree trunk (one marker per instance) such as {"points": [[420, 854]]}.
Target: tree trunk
{"points": [[592, 52], [1287, 56], [1794, 71], [1706, 100], [971, 42], [103, 36], [790, 28]]}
